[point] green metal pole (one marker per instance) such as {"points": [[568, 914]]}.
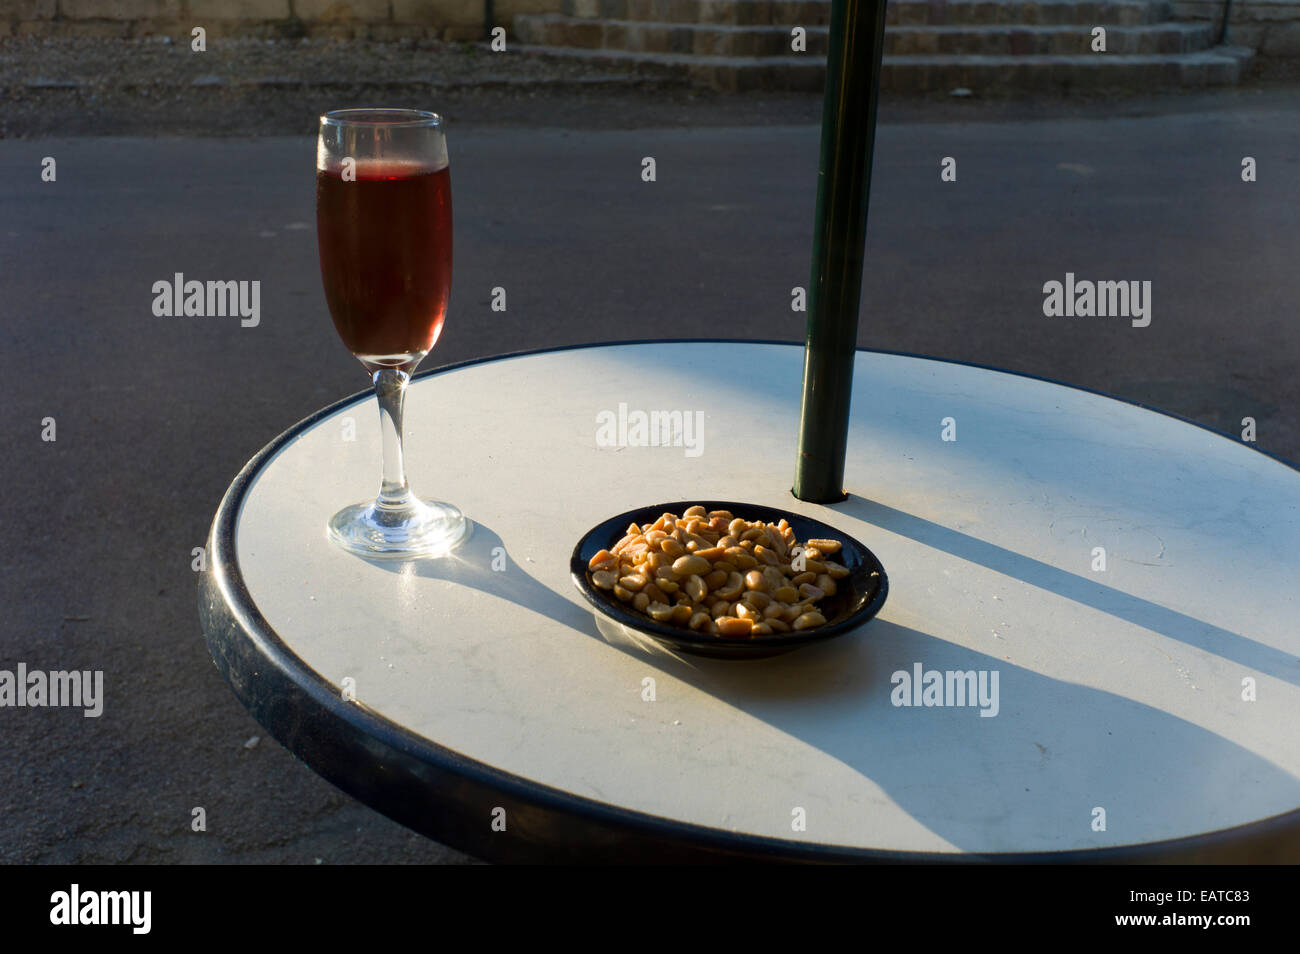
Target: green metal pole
{"points": [[839, 240]]}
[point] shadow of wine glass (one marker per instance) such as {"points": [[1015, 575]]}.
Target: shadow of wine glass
{"points": [[482, 562]]}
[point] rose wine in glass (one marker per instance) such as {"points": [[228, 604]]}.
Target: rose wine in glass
{"points": [[383, 222]]}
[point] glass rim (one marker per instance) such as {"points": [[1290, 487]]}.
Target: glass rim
{"points": [[383, 116]]}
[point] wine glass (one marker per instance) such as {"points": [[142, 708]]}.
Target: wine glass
{"points": [[383, 223]]}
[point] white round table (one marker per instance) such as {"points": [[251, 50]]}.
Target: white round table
{"points": [[1144, 710]]}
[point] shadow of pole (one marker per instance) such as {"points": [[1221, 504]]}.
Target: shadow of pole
{"points": [[1133, 609]]}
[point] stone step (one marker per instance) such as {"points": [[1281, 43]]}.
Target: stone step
{"points": [[810, 13], [1088, 13], [966, 40], [1218, 66], [709, 39], [736, 12], [999, 40], [1214, 67], [729, 73]]}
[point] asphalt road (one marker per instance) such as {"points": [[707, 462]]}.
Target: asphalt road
{"points": [[156, 415]]}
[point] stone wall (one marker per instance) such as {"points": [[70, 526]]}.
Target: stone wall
{"points": [[371, 19], [1272, 27]]}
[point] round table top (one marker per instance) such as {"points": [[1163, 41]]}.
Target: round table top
{"points": [[1121, 707]]}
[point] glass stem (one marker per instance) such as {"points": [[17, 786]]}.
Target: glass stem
{"points": [[390, 390]]}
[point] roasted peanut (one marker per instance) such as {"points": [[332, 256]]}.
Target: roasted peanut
{"points": [[696, 542], [732, 588], [825, 546], [693, 563], [740, 559], [603, 560], [604, 579], [809, 619], [695, 587], [734, 626], [810, 592], [660, 611]]}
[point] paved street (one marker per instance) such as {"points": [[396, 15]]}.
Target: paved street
{"points": [[156, 415]]}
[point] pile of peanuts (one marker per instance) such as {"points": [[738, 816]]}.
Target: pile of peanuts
{"points": [[716, 573]]}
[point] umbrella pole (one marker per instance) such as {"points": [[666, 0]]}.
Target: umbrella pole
{"points": [[839, 239]]}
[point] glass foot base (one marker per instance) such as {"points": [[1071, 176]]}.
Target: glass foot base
{"points": [[418, 528]]}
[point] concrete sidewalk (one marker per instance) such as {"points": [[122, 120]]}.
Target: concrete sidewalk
{"points": [[156, 415]]}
